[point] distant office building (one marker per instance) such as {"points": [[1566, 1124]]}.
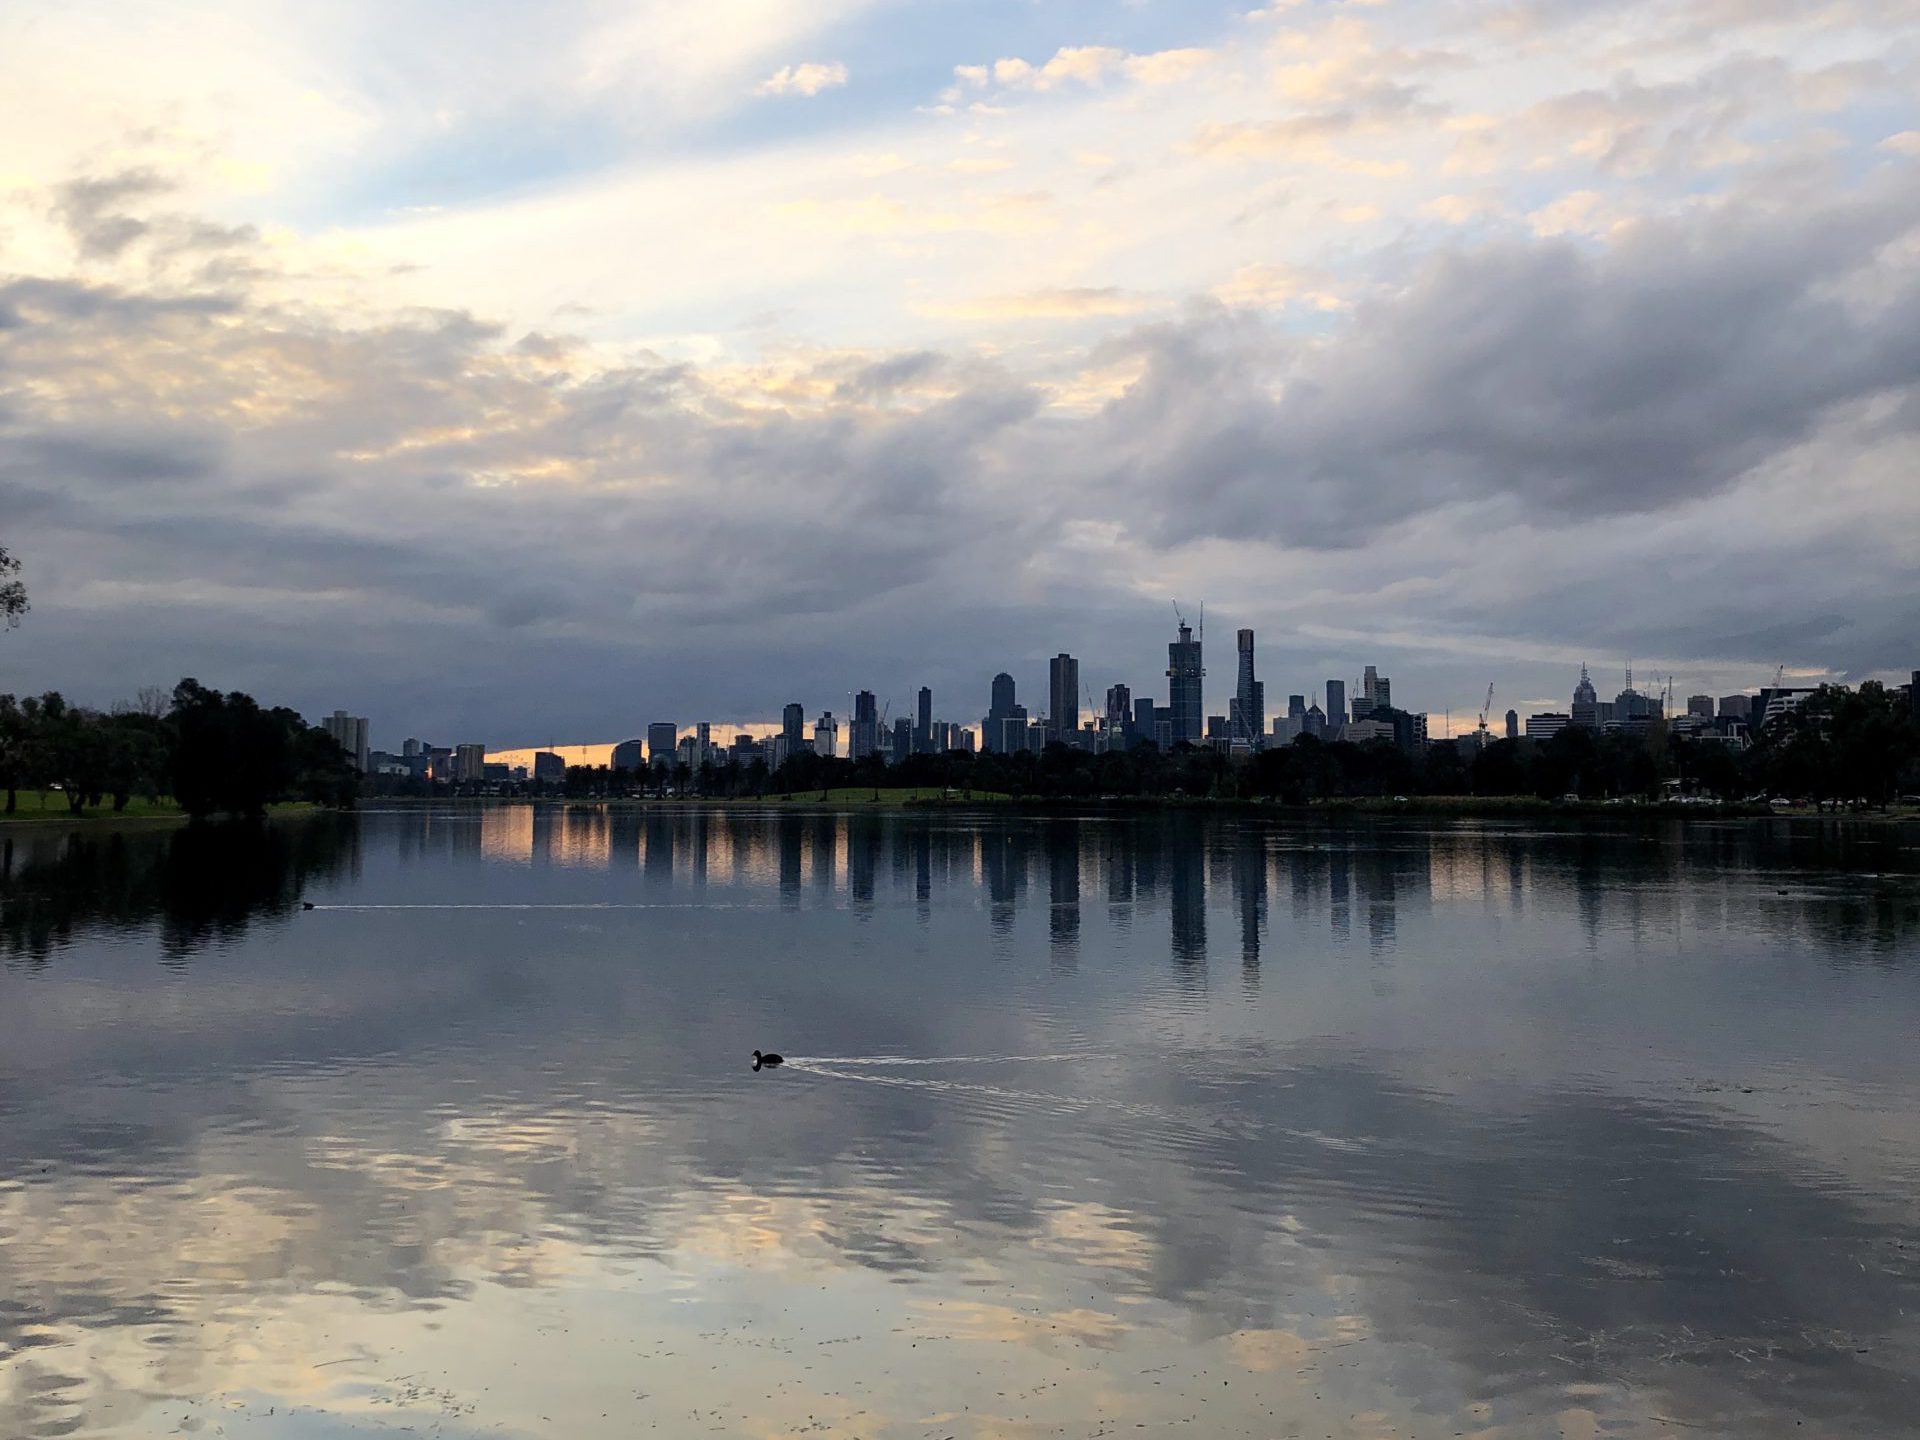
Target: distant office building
{"points": [[1701, 705], [350, 734], [702, 744], [1219, 727], [902, 740], [1287, 728], [469, 763], [1361, 732], [1513, 724], [1314, 722], [498, 774], [993, 729], [826, 735], [793, 726], [1775, 701], [1585, 714], [1252, 697], [629, 755], [1633, 712], [1119, 716], [1143, 721], [1382, 693], [1186, 678], [1369, 694], [410, 750], [1003, 696], [942, 736], [1162, 732], [863, 736], [961, 738], [1063, 699], [663, 739], [1337, 714], [923, 722], [548, 768], [1736, 707]]}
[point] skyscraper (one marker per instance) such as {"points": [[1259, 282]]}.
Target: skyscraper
{"points": [[1337, 715], [663, 738], [1186, 675], [1063, 699], [863, 738], [826, 735], [1586, 703], [1513, 724], [793, 727], [1701, 705], [1144, 729], [1250, 715], [994, 729], [1119, 715], [923, 723]]}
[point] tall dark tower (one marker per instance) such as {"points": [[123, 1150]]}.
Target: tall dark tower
{"points": [[1063, 698], [923, 726], [1185, 677], [1250, 699]]}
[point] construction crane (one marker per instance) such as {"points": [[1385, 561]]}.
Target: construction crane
{"points": [[1485, 711]]}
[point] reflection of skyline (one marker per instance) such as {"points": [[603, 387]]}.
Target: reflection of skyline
{"points": [[364, 1123]]}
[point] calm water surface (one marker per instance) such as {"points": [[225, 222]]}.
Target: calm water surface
{"points": [[1092, 1127]]}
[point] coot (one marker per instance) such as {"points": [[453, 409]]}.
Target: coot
{"points": [[767, 1061]]}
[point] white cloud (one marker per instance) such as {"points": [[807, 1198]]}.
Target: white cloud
{"points": [[807, 79]]}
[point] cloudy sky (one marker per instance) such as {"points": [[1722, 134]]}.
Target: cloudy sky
{"points": [[529, 373]]}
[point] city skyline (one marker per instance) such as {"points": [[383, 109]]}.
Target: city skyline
{"points": [[517, 376]]}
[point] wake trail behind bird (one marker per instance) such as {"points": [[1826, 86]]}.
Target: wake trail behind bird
{"points": [[889, 1060]]}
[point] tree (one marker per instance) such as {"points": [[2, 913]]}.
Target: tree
{"points": [[13, 591]]}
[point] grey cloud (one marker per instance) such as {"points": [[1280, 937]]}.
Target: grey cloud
{"points": [[90, 209], [440, 523], [1574, 383]]}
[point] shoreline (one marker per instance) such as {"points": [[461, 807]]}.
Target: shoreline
{"points": [[1427, 806]]}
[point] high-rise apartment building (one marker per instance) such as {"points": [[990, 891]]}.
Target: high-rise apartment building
{"points": [[350, 734], [1186, 678], [923, 722], [1063, 699], [1250, 715], [826, 735], [1119, 716], [1513, 724]]}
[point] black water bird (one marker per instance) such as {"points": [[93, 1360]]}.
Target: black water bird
{"points": [[767, 1061], [306, 904]]}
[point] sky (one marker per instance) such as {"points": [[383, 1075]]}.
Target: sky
{"points": [[526, 374]]}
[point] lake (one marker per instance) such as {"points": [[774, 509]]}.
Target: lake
{"points": [[1163, 1124]]}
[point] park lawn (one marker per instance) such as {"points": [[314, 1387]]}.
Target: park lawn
{"points": [[49, 806], [35, 805]]}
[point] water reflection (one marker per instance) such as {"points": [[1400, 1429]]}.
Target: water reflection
{"points": [[1494, 1130]]}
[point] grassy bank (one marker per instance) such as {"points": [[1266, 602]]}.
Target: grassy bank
{"points": [[49, 807]]}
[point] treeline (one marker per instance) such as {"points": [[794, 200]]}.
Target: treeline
{"points": [[209, 752], [1853, 746]]}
